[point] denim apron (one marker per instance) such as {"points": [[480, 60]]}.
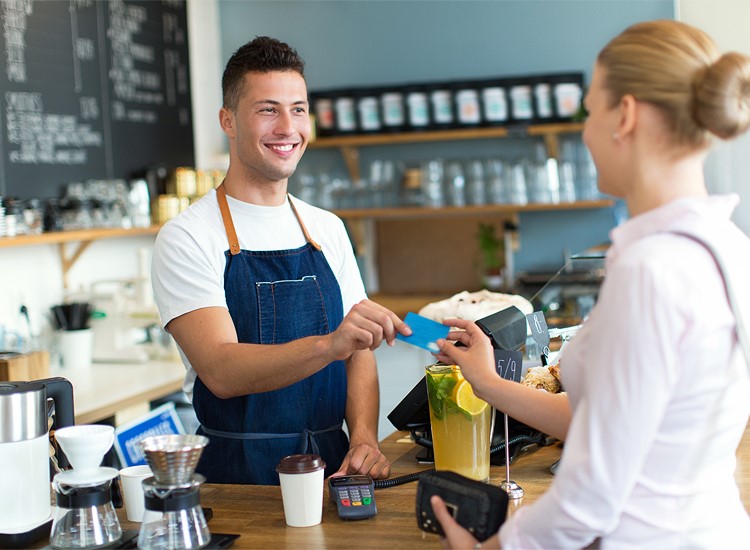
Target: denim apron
{"points": [[275, 297]]}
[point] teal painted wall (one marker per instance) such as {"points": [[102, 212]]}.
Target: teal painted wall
{"points": [[369, 42]]}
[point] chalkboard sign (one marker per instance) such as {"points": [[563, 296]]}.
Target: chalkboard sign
{"points": [[91, 90]]}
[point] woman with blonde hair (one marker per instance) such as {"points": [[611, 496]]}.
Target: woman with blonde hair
{"points": [[658, 390]]}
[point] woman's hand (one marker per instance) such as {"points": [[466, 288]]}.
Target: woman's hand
{"points": [[476, 359], [455, 535]]}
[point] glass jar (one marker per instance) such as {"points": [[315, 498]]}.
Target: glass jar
{"points": [[521, 102], [494, 104], [346, 117], [323, 109], [441, 100], [418, 108], [368, 109], [393, 110], [468, 112], [543, 101]]}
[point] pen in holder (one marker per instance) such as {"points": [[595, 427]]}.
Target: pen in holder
{"points": [[506, 329]]}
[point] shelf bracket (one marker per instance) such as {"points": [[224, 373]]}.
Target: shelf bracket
{"points": [[68, 261], [351, 158]]}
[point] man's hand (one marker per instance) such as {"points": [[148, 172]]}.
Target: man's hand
{"points": [[367, 460], [365, 327]]}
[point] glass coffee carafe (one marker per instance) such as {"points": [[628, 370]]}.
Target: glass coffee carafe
{"points": [[461, 423]]}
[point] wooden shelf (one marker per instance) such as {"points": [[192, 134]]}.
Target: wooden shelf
{"points": [[416, 212], [349, 145], [361, 140], [82, 235]]}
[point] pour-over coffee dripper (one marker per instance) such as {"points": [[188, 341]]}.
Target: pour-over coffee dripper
{"points": [[174, 518], [173, 458], [85, 517]]}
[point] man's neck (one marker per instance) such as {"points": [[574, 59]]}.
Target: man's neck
{"points": [[245, 190]]}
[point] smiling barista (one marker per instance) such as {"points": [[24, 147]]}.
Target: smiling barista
{"points": [[258, 307]]}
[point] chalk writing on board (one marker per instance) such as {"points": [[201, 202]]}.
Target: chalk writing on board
{"points": [[509, 364], [91, 90]]}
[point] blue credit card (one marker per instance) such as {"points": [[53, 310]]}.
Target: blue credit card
{"points": [[424, 332]]}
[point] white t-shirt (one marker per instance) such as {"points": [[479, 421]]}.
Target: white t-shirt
{"points": [[660, 395], [189, 261]]}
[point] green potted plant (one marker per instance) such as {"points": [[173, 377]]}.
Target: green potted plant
{"points": [[491, 256]]}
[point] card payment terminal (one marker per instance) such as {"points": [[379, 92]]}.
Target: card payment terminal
{"points": [[354, 496]]}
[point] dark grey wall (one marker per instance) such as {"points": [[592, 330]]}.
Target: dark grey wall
{"points": [[358, 43]]}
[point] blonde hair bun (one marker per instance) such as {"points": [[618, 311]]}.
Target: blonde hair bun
{"points": [[721, 102]]}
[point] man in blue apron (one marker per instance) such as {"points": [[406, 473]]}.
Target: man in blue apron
{"points": [[273, 326]]}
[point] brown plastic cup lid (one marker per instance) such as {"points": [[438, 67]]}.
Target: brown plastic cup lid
{"points": [[300, 464]]}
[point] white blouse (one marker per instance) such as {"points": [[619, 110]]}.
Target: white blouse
{"points": [[660, 395]]}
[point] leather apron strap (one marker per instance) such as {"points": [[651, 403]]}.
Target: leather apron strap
{"points": [[234, 242], [226, 216]]}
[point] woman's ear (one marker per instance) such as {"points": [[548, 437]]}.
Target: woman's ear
{"points": [[628, 116], [226, 121]]}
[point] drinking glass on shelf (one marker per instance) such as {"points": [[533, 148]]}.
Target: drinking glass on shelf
{"points": [[432, 176], [517, 175], [566, 175], [456, 184], [498, 189], [475, 187], [537, 188]]}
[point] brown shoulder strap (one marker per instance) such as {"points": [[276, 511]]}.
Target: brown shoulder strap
{"points": [[226, 215], [308, 238]]}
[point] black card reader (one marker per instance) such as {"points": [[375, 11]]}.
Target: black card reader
{"points": [[354, 496]]}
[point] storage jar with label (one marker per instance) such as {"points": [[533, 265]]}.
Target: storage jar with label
{"points": [[417, 107], [393, 109], [494, 103], [543, 101], [323, 109], [344, 108], [567, 93], [468, 112], [441, 102], [521, 102], [368, 111]]}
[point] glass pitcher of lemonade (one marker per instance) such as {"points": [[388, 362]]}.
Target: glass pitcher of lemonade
{"points": [[460, 423]]}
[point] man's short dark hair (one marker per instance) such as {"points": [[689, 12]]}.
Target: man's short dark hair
{"points": [[260, 55]]}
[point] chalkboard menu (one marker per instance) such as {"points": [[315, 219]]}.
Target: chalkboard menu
{"points": [[91, 90]]}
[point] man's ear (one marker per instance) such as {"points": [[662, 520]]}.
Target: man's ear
{"points": [[628, 115], [226, 121]]}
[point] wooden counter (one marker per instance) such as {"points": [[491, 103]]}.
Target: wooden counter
{"points": [[256, 512], [107, 388]]}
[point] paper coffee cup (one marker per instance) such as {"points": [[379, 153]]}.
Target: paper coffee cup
{"points": [[301, 478], [132, 490]]}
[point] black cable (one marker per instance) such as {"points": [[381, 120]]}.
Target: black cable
{"points": [[408, 478], [518, 439]]}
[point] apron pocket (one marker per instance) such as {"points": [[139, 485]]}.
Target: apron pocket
{"points": [[300, 306]]}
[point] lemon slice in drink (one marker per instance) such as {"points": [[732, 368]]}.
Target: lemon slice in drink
{"points": [[465, 398]]}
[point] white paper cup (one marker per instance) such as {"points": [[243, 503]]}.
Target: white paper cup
{"points": [[301, 478], [76, 348], [132, 490]]}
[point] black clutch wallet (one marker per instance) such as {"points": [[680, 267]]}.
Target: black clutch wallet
{"points": [[478, 507]]}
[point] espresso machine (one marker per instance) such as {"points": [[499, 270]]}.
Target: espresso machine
{"points": [[26, 411]]}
